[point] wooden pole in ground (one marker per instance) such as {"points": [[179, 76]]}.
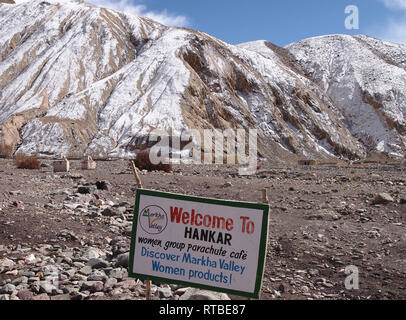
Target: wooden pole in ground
{"points": [[136, 175], [139, 186], [265, 200]]}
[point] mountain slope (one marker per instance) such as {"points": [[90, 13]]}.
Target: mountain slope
{"points": [[77, 79], [366, 79]]}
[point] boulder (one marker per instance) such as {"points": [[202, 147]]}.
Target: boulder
{"points": [[383, 198], [324, 215], [194, 294]]}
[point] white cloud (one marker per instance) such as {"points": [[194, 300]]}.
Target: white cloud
{"points": [[394, 31], [395, 4], [395, 28], [163, 16]]}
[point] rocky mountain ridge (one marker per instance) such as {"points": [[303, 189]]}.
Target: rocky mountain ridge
{"points": [[78, 79]]}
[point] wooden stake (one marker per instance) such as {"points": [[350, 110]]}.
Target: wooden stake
{"points": [[139, 186], [136, 175], [265, 200]]}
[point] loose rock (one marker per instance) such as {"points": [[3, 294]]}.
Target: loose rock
{"points": [[197, 294]]}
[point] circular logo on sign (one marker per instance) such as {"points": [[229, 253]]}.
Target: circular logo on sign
{"points": [[153, 220]]}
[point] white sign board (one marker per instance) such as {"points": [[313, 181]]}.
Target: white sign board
{"points": [[206, 243]]}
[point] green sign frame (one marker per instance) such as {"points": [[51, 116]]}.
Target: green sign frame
{"points": [[262, 247]]}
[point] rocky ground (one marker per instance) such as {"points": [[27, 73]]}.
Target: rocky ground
{"points": [[65, 236]]}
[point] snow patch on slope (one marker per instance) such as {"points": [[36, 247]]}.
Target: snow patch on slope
{"points": [[367, 87]]}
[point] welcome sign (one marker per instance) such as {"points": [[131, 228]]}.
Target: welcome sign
{"points": [[206, 243]]}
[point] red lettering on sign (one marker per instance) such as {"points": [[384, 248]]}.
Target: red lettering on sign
{"points": [[178, 215]]}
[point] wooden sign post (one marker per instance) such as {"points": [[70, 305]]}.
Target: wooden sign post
{"points": [[211, 244], [139, 186], [265, 201]]}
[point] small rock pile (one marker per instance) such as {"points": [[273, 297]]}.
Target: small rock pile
{"points": [[54, 272]]}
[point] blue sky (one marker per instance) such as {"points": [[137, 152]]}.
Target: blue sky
{"points": [[280, 22]]}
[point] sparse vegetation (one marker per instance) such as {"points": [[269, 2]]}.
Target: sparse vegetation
{"points": [[25, 162], [6, 151], [143, 162]]}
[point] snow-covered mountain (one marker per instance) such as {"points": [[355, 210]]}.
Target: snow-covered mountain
{"points": [[366, 80], [78, 79]]}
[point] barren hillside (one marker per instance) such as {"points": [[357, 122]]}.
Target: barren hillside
{"points": [[78, 79]]}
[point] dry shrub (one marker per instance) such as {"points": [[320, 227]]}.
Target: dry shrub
{"points": [[6, 151], [143, 162], [25, 162]]}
